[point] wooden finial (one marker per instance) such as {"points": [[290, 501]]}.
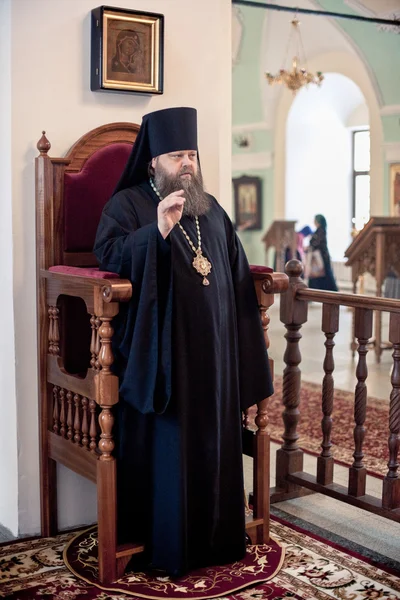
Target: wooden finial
{"points": [[43, 144], [293, 268]]}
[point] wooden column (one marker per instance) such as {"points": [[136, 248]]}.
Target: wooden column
{"points": [[363, 331], [379, 275], [293, 313], [391, 483], [106, 397], [330, 326]]}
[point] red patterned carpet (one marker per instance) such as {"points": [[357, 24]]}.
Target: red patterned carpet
{"points": [[312, 569], [376, 426]]}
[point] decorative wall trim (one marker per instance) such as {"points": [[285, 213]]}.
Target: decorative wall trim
{"points": [[390, 109], [359, 53], [256, 160], [392, 151], [381, 14], [247, 127]]}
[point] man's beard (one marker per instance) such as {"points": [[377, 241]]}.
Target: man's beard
{"points": [[196, 200]]}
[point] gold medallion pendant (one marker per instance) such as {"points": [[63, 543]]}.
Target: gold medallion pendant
{"points": [[202, 265]]}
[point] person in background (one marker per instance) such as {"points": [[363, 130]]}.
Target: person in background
{"points": [[300, 237], [318, 241]]}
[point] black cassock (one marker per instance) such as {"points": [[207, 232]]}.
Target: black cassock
{"points": [[191, 358]]}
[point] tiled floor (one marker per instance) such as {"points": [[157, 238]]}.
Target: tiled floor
{"points": [[363, 528]]}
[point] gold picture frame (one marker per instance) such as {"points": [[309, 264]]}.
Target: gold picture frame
{"points": [[127, 51], [394, 186], [248, 203]]}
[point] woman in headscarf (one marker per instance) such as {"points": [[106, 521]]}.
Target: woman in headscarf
{"points": [[318, 243]]}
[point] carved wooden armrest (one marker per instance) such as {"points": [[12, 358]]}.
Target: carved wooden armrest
{"points": [[95, 288]]}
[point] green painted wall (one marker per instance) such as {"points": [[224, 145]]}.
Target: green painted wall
{"points": [[380, 49]]}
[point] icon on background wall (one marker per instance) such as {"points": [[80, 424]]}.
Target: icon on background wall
{"points": [[248, 202], [127, 51]]}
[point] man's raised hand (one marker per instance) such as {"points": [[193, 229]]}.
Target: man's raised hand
{"points": [[169, 212]]}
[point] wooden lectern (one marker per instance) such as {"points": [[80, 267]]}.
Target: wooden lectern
{"points": [[281, 235], [375, 250]]}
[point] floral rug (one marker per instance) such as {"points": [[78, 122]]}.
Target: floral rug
{"points": [[261, 563], [375, 447], [312, 569]]}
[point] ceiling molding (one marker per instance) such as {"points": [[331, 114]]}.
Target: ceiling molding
{"points": [[358, 52], [390, 109], [247, 127], [392, 151], [359, 6], [251, 161]]}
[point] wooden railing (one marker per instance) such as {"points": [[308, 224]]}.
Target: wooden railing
{"points": [[291, 480]]}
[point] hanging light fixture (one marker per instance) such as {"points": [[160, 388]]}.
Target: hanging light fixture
{"points": [[298, 75]]}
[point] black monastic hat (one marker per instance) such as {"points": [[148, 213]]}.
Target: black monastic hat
{"points": [[162, 131]]}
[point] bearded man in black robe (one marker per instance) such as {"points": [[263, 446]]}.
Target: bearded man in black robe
{"points": [[189, 348]]}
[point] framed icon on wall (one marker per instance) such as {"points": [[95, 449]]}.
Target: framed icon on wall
{"points": [[127, 51], [248, 202]]}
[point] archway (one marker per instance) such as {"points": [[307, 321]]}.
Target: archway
{"points": [[319, 156]]}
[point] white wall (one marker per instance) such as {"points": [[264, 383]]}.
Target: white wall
{"points": [[318, 174], [8, 421], [318, 158], [50, 90], [351, 67]]}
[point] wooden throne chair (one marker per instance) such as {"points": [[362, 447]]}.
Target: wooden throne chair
{"points": [[76, 305]]}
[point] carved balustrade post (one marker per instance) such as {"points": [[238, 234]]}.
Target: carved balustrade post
{"points": [[54, 331], [77, 420], [63, 429], [330, 326], [93, 342], [69, 415], [293, 313], [391, 483], [363, 332], [106, 396], [85, 424], [56, 412], [106, 418]]}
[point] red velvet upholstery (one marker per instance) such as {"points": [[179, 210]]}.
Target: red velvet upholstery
{"points": [[81, 272], [86, 192], [260, 269]]}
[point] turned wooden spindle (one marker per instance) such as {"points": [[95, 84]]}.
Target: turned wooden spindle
{"points": [[330, 326], [106, 442], [56, 331], [85, 425], [363, 332], [77, 419], [63, 428], [51, 330], [262, 419], [106, 418], [293, 313], [69, 415], [93, 342], [98, 343], [391, 483], [56, 413], [92, 428]]}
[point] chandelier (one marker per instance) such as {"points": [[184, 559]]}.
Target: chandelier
{"points": [[297, 76]]}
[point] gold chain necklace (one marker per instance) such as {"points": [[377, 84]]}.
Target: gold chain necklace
{"points": [[200, 263]]}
